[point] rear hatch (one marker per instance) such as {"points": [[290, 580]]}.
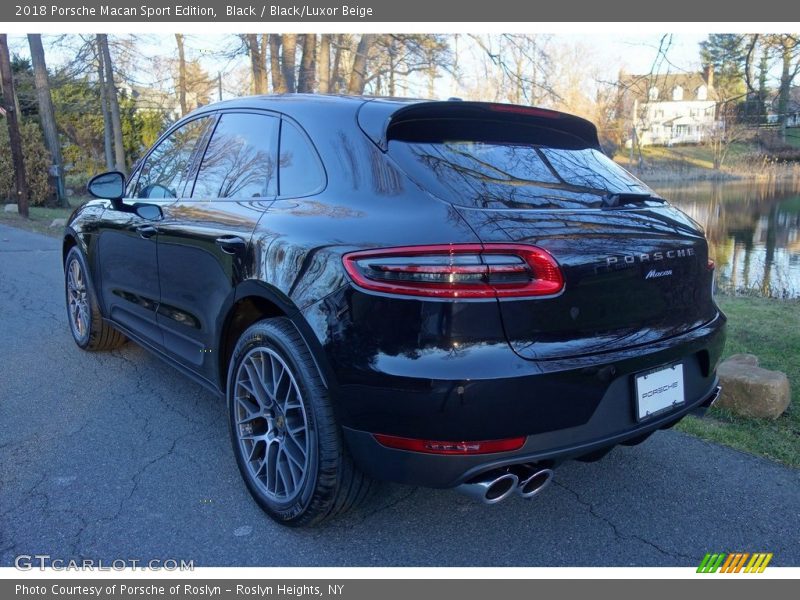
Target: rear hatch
{"points": [[636, 270]]}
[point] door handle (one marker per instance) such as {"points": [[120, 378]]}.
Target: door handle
{"points": [[146, 231], [231, 244]]}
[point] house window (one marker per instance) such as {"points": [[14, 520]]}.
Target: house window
{"points": [[677, 93], [653, 93]]}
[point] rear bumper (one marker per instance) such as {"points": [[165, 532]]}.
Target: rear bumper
{"points": [[565, 409], [552, 448]]}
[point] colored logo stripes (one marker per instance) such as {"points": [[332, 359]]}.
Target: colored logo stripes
{"points": [[735, 562]]}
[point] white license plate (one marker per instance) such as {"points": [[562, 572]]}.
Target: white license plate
{"points": [[659, 390]]}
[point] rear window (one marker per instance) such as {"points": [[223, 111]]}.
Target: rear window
{"points": [[501, 174]]}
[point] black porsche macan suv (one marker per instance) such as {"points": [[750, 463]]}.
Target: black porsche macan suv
{"points": [[445, 294]]}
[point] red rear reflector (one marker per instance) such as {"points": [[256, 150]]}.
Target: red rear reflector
{"points": [[457, 271], [447, 447], [525, 110]]}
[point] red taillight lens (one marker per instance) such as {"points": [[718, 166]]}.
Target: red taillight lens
{"points": [[457, 271], [445, 447]]}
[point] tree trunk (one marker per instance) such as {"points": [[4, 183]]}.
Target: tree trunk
{"points": [[47, 114], [257, 63], [113, 104], [14, 137], [275, 43], [392, 69], [289, 61], [181, 74], [784, 92], [308, 64], [108, 142], [324, 64], [336, 74], [359, 68]]}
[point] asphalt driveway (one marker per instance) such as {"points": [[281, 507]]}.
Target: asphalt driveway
{"points": [[116, 455]]}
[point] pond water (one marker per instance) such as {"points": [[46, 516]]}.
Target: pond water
{"points": [[753, 231]]}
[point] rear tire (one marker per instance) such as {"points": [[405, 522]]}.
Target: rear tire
{"points": [[287, 443], [86, 323]]}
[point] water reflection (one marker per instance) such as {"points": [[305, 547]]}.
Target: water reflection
{"points": [[753, 231]]}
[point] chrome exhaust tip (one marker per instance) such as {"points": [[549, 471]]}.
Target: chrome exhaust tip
{"points": [[712, 398], [535, 482], [491, 488]]}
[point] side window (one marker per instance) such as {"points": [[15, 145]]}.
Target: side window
{"points": [[241, 158], [164, 172], [130, 186], [301, 173]]}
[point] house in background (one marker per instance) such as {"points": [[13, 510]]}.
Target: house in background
{"points": [[150, 99], [671, 109]]}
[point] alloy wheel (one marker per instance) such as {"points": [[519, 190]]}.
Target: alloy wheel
{"points": [[271, 424], [77, 299]]}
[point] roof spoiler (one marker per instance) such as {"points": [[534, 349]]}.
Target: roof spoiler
{"points": [[380, 119]]}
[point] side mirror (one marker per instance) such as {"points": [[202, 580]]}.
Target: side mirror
{"points": [[108, 186], [151, 212]]}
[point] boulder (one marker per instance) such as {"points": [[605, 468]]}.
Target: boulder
{"points": [[750, 391], [12, 208], [741, 359], [58, 223]]}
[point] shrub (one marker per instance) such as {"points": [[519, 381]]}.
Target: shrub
{"points": [[37, 163]]}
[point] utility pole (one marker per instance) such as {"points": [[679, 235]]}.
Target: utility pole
{"points": [[14, 137]]}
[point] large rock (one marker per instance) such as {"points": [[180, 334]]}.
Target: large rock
{"points": [[58, 223], [12, 208], [751, 391]]}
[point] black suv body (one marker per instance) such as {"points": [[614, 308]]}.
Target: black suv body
{"points": [[436, 293]]}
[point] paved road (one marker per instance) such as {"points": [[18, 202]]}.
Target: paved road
{"points": [[116, 455]]}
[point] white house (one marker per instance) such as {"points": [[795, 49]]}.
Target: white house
{"points": [[673, 108]]}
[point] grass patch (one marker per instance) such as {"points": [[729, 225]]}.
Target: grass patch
{"points": [[40, 218], [770, 329]]}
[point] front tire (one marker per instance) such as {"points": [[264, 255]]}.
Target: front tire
{"points": [[86, 323], [285, 437]]}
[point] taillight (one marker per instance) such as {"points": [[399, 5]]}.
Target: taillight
{"points": [[445, 447], [457, 271]]}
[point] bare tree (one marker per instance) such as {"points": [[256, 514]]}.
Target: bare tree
{"points": [[12, 120], [358, 72], [113, 103], [324, 63], [336, 82], [278, 82], [289, 61], [256, 50], [181, 73], [308, 64], [47, 114], [108, 135]]}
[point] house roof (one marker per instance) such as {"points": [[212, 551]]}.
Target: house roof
{"points": [[640, 86]]}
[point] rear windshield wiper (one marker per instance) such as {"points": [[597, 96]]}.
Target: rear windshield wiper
{"points": [[614, 200]]}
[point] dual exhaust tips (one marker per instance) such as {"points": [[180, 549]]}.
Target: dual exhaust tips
{"points": [[495, 486]]}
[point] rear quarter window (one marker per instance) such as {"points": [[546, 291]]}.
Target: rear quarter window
{"points": [[300, 169]]}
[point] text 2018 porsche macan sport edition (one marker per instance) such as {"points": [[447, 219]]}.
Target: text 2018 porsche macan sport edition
{"points": [[444, 294]]}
